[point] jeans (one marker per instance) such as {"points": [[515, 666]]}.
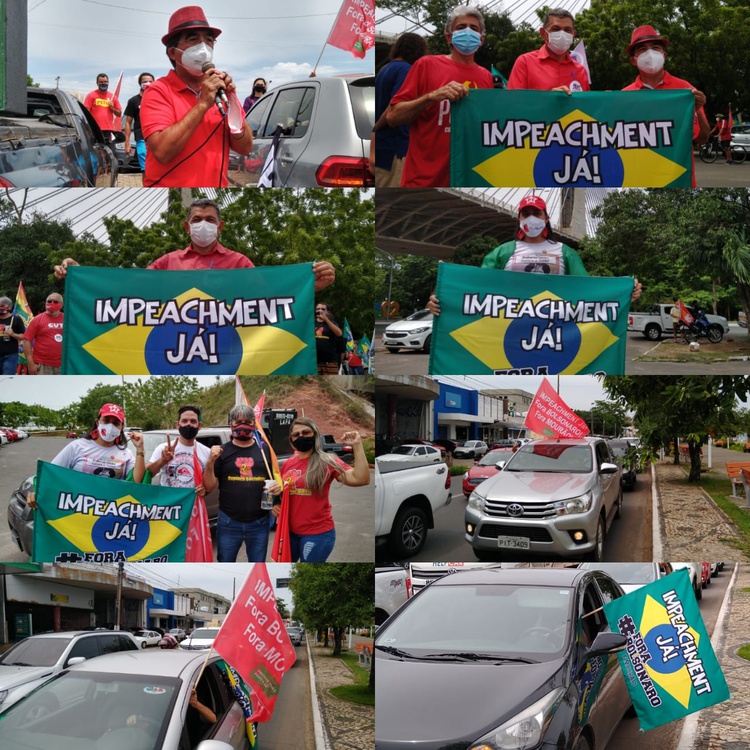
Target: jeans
{"points": [[140, 150], [230, 534], [312, 547], [8, 364]]}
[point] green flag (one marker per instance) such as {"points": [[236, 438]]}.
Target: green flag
{"points": [[512, 323], [351, 344], [669, 665], [249, 321], [88, 518], [503, 138]]}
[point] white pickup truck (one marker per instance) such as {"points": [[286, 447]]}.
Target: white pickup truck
{"points": [[657, 322], [406, 498], [392, 589]]}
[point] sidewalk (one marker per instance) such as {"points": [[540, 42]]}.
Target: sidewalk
{"points": [[346, 726], [130, 180]]}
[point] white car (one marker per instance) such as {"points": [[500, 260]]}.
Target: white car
{"points": [[147, 638], [741, 135], [471, 449], [416, 454], [414, 332], [200, 638]]}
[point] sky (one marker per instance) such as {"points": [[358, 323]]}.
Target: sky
{"points": [[77, 39]]}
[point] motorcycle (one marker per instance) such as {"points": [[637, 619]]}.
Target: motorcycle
{"points": [[701, 327]]}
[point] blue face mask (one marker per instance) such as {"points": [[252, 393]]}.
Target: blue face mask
{"points": [[466, 41]]}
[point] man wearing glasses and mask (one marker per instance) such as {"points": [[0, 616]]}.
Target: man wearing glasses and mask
{"points": [[42, 342]]}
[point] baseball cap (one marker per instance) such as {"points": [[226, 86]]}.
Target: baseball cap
{"points": [[112, 410]]}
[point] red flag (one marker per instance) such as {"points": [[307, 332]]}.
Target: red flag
{"points": [[254, 641], [258, 408], [550, 416], [685, 315], [282, 547], [198, 547], [354, 30]]}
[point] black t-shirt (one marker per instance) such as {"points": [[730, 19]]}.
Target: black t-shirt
{"points": [[326, 341], [9, 345], [241, 473], [133, 109]]}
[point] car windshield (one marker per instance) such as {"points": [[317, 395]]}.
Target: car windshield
{"points": [[626, 573], [491, 458], [501, 619], [205, 633], [91, 711], [403, 450], [35, 652], [619, 449], [420, 315], [553, 457], [176, 630]]}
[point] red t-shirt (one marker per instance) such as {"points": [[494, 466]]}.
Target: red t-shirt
{"points": [[310, 512], [188, 260], [165, 102], [427, 161], [725, 130], [46, 333], [671, 82], [537, 70], [99, 103]]}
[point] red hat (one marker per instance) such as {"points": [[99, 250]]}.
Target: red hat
{"points": [[112, 410], [532, 200], [189, 17], [645, 34]]}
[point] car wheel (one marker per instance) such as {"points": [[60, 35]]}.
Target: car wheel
{"points": [[143, 644], [618, 504], [652, 332], [392, 350], [582, 744], [698, 588], [427, 343], [409, 532], [597, 553]]}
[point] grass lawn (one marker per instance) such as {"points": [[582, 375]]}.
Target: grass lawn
{"points": [[744, 652], [720, 490], [358, 691]]}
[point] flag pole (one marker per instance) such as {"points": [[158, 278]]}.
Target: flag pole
{"points": [[315, 67], [203, 666]]}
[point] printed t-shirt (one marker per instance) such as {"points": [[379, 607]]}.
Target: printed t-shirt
{"points": [[165, 102], [188, 260], [180, 471], [540, 257], [99, 104], [310, 512], [241, 473], [538, 70], [427, 162], [46, 332], [91, 458]]}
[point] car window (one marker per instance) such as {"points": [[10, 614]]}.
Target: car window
{"points": [[110, 644], [209, 440], [552, 457], [289, 110], [362, 93], [35, 652], [592, 617], [258, 112], [86, 647], [608, 588], [602, 454]]}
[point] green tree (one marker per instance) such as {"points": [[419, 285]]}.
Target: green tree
{"points": [[87, 408], [605, 418], [31, 82], [14, 413], [44, 417], [282, 609], [152, 403], [413, 279]]}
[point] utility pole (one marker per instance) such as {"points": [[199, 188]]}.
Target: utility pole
{"points": [[118, 596]]}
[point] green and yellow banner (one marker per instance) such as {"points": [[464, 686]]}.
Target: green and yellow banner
{"points": [[511, 323], [503, 138], [89, 518], [669, 665], [250, 321]]}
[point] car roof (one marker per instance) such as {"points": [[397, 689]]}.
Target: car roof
{"points": [[162, 662], [72, 633], [566, 441], [566, 577]]}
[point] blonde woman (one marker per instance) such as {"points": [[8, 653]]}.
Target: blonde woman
{"points": [[310, 472]]}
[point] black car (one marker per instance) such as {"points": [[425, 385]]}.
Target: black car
{"points": [[513, 658], [625, 455]]}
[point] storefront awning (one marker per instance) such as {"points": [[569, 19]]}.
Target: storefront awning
{"points": [[457, 418]]}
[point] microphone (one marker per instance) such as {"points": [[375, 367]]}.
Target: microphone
{"points": [[221, 98]]}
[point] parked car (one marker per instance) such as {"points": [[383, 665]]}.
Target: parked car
{"points": [[129, 701], [741, 135], [434, 443], [200, 638], [413, 332], [413, 454], [742, 319], [146, 638], [628, 460], [632, 576], [127, 162], [392, 589], [471, 449], [485, 468], [524, 669], [33, 660], [554, 497], [326, 128], [177, 633], [295, 635], [72, 435], [696, 576], [505, 443]]}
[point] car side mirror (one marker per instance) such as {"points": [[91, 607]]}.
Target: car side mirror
{"points": [[604, 643], [607, 468], [501, 465], [75, 660]]}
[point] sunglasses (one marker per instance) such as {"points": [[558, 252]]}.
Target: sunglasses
{"points": [[301, 433]]}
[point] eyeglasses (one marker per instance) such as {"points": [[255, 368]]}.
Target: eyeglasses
{"points": [[302, 433], [53, 301]]}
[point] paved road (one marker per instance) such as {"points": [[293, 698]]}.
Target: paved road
{"points": [[353, 507], [719, 174]]}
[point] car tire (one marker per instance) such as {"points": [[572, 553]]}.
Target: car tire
{"points": [[582, 744], [698, 589], [618, 504], [652, 332], [427, 344], [597, 553], [409, 532], [143, 644], [392, 350]]}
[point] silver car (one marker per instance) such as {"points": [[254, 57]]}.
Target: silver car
{"points": [[554, 497], [325, 140], [413, 332], [134, 701]]}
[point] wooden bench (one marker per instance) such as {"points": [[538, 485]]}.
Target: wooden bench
{"points": [[735, 470]]}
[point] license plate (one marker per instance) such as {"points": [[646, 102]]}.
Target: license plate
{"points": [[513, 542]]}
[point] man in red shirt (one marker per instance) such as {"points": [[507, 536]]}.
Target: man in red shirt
{"points": [[44, 355], [188, 138], [723, 130], [205, 252], [648, 51], [424, 100], [551, 68], [104, 106]]}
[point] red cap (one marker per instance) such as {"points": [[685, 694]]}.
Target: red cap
{"points": [[532, 200], [189, 17], [112, 410], [645, 34]]}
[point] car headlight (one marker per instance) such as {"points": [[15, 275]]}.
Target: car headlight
{"points": [[526, 729], [27, 485], [419, 330], [579, 504], [466, 476], [476, 501]]}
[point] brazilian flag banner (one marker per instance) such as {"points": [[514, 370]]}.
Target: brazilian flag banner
{"points": [[527, 139], [88, 518], [248, 321], [512, 323], [669, 665]]}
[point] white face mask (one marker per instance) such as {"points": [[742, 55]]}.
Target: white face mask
{"points": [[194, 57], [533, 226], [109, 432], [559, 41], [651, 61], [203, 233]]}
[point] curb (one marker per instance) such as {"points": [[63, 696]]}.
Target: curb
{"points": [[321, 740], [656, 545]]}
